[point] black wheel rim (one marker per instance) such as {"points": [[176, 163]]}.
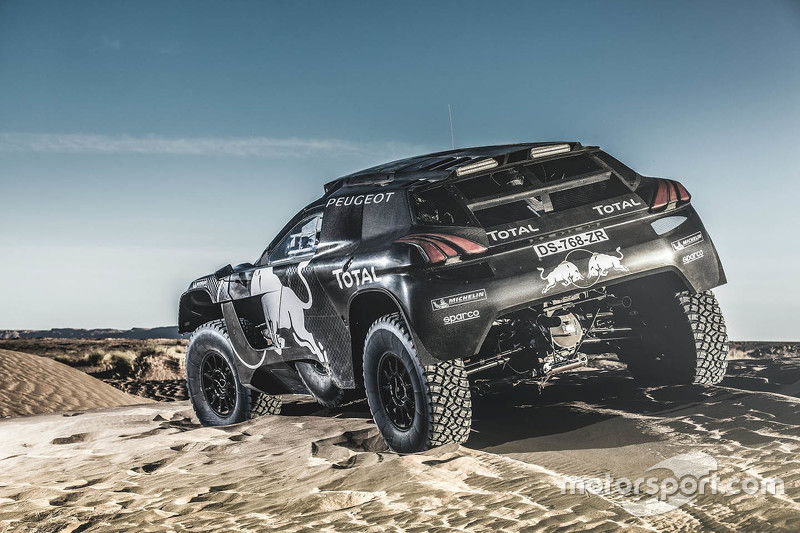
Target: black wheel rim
{"points": [[396, 391], [219, 385]]}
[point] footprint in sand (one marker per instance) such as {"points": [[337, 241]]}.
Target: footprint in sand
{"points": [[149, 468], [241, 437], [72, 439], [359, 459], [351, 449]]}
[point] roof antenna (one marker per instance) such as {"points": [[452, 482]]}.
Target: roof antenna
{"points": [[452, 139]]}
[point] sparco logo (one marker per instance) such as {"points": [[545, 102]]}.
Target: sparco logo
{"points": [[607, 209], [691, 240], [461, 317], [501, 235], [357, 277], [458, 299], [694, 256]]}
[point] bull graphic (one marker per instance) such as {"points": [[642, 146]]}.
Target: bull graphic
{"points": [[566, 273], [283, 309], [600, 264]]}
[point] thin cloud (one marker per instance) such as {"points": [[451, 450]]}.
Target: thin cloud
{"points": [[265, 147], [114, 44]]}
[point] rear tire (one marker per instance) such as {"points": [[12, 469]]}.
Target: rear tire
{"points": [[683, 340], [320, 384], [217, 395], [415, 407]]}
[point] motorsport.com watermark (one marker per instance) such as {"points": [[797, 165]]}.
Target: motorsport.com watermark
{"points": [[692, 475]]}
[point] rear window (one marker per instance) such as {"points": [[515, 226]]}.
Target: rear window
{"points": [[523, 184], [564, 168], [502, 214], [494, 183], [438, 207], [528, 175]]}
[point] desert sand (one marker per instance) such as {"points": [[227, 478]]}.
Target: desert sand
{"points": [[152, 468], [30, 384]]}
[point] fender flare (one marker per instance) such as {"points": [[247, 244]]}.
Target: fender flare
{"points": [[425, 357]]}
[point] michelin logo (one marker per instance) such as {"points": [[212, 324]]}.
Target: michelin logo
{"points": [[686, 242], [461, 317], [458, 299]]}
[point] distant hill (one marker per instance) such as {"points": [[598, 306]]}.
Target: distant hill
{"points": [[166, 332]]}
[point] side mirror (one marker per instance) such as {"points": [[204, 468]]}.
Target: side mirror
{"points": [[242, 266], [225, 271]]}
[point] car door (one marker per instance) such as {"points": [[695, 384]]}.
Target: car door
{"points": [[285, 286]]}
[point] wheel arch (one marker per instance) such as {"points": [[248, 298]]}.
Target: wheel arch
{"points": [[364, 308], [196, 307]]}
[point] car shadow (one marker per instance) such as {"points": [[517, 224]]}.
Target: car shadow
{"points": [[591, 408], [582, 410]]}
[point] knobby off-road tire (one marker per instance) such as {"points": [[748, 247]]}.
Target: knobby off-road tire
{"points": [[684, 341], [441, 409], [217, 395], [320, 384]]}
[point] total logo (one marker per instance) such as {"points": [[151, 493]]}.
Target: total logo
{"points": [[461, 317], [616, 207], [501, 235], [356, 277]]}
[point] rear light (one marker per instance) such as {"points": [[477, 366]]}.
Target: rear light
{"points": [[668, 195], [472, 168], [437, 247], [552, 149]]}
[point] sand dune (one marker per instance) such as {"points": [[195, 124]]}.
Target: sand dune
{"points": [[30, 385], [152, 468]]}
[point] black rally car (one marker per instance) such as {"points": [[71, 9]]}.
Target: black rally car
{"points": [[426, 280]]}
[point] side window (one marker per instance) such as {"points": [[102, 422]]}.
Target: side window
{"points": [[300, 241]]}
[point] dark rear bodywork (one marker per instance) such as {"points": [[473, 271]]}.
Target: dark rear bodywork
{"points": [[454, 241]]}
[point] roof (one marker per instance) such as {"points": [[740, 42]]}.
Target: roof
{"points": [[437, 166]]}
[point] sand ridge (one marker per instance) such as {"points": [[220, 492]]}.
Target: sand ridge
{"points": [[30, 384], [153, 468]]}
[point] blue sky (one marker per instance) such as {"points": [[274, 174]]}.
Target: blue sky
{"points": [[143, 144]]}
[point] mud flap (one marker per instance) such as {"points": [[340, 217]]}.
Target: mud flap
{"points": [[248, 359]]}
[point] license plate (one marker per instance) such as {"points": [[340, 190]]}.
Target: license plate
{"points": [[571, 242]]}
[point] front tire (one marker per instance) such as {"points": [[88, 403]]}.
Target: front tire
{"points": [[217, 395], [415, 407], [683, 340]]}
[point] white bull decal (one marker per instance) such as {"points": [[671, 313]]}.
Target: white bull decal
{"points": [[283, 309], [600, 264], [566, 273]]}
